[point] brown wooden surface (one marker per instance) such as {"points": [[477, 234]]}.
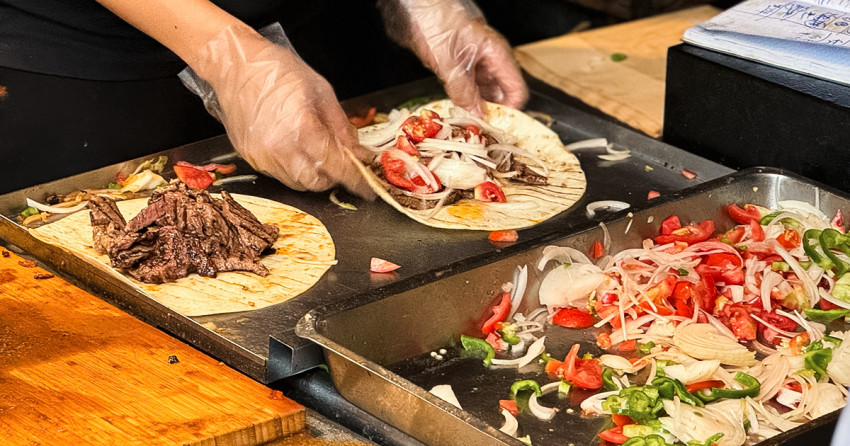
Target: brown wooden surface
{"points": [[631, 90], [75, 370]]}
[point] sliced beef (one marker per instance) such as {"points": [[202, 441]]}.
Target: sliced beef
{"points": [[182, 231], [526, 175]]}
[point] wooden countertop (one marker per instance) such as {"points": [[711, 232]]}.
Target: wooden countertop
{"points": [[631, 89], [75, 370]]}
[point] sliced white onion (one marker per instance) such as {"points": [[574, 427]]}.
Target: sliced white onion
{"points": [[803, 206], [452, 146], [607, 205], [606, 237], [235, 179], [460, 174], [534, 350], [540, 412], [55, 209], [511, 425], [614, 157], [564, 254], [445, 393], [770, 280], [518, 292], [587, 144], [833, 300], [379, 134]]}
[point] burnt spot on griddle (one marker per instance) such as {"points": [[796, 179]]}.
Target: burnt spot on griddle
{"points": [[42, 276], [173, 359], [27, 263]]}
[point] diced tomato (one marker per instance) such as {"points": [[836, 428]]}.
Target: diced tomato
{"points": [[489, 191], [704, 385], [670, 224], [744, 216], [496, 341], [603, 340], [417, 128], [359, 122], [395, 171], [789, 239], [572, 318], [510, 406], [614, 435], [377, 265], [621, 420], [604, 311], [609, 298], [827, 305], [662, 290], [194, 178], [597, 250], [743, 326], [734, 235], [689, 234], [627, 346], [120, 178], [798, 343], [503, 236], [500, 312], [652, 194], [404, 144], [722, 266], [756, 231], [688, 174], [682, 290], [553, 366], [584, 373], [473, 129], [703, 294], [684, 309], [779, 321], [838, 221], [794, 385]]}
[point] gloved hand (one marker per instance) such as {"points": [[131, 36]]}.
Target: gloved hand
{"points": [[280, 115], [453, 40]]}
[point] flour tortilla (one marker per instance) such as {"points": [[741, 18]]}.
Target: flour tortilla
{"points": [[303, 252], [526, 205]]}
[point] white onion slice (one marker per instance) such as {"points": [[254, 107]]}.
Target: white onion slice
{"points": [[452, 146], [55, 209], [804, 207], [235, 179], [587, 144], [518, 291], [373, 136], [534, 350], [445, 393], [607, 205], [833, 300], [540, 412], [615, 157], [511, 425]]}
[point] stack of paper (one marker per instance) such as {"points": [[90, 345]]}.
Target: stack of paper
{"points": [[808, 36]]}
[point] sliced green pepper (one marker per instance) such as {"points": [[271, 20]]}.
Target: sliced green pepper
{"points": [[669, 387], [710, 441], [649, 440], [751, 389], [646, 348], [525, 384], [826, 316], [835, 341], [608, 380], [817, 358], [472, 344], [811, 250], [114, 186], [769, 218], [508, 332], [829, 239], [841, 290], [780, 266], [29, 211], [641, 403]]}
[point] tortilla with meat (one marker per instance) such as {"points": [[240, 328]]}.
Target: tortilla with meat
{"points": [[302, 253], [527, 205]]}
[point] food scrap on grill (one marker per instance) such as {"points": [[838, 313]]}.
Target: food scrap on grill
{"points": [[181, 231]]}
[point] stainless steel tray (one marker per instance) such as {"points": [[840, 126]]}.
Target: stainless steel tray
{"points": [[262, 343], [377, 345]]}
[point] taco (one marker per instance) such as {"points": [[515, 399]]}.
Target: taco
{"points": [[445, 168], [298, 257]]}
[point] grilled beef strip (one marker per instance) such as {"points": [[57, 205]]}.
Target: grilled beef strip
{"points": [[181, 231]]}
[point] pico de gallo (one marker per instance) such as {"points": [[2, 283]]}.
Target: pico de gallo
{"points": [[709, 335]]}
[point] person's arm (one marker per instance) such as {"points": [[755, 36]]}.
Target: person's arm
{"points": [[280, 115]]}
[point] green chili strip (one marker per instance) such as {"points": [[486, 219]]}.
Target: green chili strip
{"points": [[29, 211], [472, 344], [817, 358], [668, 387], [829, 239], [525, 384], [811, 251], [827, 316], [646, 348], [751, 389], [608, 381], [769, 218]]}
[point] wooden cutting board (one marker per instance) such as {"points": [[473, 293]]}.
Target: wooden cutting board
{"points": [[75, 370], [631, 89]]}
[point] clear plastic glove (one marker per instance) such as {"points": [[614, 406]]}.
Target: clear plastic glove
{"points": [[280, 115], [452, 39]]}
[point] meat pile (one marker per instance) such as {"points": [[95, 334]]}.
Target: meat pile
{"points": [[181, 231]]}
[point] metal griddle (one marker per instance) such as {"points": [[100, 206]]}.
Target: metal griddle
{"points": [[262, 343], [379, 344]]}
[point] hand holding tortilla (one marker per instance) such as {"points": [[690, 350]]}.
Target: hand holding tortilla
{"points": [[451, 38], [443, 167]]}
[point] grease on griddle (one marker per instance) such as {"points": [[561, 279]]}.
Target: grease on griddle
{"points": [[173, 359], [27, 263], [42, 276]]}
